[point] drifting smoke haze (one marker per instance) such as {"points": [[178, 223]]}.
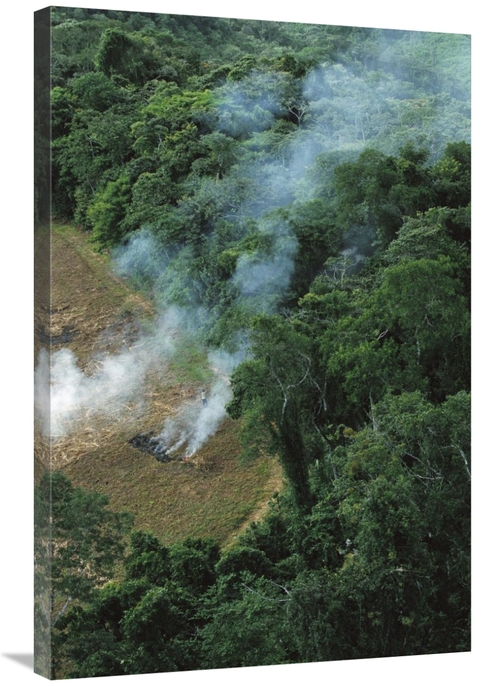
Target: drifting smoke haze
{"points": [[142, 255], [42, 392], [262, 279], [340, 112], [188, 430], [119, 379], [196, 422]]}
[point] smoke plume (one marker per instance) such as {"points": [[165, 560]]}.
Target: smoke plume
{"points": [[336, 110]]}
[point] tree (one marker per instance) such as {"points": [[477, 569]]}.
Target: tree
{"points": [[95, 91], [248, 630], [128, 55], [148, 622], [426, 308], [432, 444], [131, 627], [318, 236], [87, 541], [413, 191], [364, 209], [148, 559], [271, 389], [78, 544], [193, 563], [107, 212], [157, 630], [221, 154], [410, 332], [452, 180]]}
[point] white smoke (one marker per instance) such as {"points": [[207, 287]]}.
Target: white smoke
{"points": [[141, 255], [189, 429], [196, 422], [251, 104], [74, 394], [65, 395], [263, 279], [341, 111], [42, 392], [210, 416]]}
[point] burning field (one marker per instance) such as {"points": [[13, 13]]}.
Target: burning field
{"points": [[136, 412]]}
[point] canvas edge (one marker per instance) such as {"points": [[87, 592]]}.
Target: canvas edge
{"points": [[41, 324]]}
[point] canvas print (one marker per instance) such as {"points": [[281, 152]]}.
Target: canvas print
{"points": [[252, 342]]}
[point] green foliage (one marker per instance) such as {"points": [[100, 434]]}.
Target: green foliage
{"points": [[95, 91], [425, 305], [193, 563], [242, 559], [318, 235], [248, 631], [127, 55], [309, 193], [426, 236], [376, 192], [87, 538], [277, 384], [156, 630], [107, 212], [78, 544], [61, 111], [148, 559], [452, 176]]}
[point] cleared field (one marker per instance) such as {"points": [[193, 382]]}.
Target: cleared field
{"points": [[97, 316]]}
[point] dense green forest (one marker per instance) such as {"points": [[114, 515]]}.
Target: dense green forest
{"points": [[301, 193]]}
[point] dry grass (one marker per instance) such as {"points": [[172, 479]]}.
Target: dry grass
{"points": [[209, 495], [212, 493]]}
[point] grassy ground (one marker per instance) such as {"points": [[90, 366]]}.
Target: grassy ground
{"points": [[213, 494]]}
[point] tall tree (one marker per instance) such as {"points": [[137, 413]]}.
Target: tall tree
{"points": [[81, 547]]}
